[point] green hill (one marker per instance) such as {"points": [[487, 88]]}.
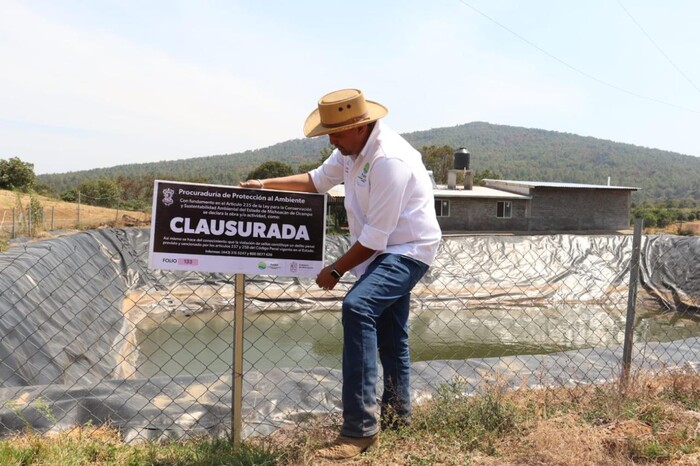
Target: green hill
{"points": [[512, 152]]}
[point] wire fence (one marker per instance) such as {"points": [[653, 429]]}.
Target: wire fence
{"points": [[30, 222], [88, 334]]}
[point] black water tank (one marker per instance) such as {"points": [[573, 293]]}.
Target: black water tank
{"points": [[461, 159]]}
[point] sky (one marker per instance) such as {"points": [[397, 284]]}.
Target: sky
{"points": [[94, 84]]}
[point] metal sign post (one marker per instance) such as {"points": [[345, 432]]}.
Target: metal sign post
{"points": [[237, 389], [631, 302]]}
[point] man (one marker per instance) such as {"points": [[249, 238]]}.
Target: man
{"points": [[394, 239]]}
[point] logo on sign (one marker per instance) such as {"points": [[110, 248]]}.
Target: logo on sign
{"points": [[168, 196], [262, 265]]}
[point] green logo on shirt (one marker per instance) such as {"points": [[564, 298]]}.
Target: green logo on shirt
{"points": [[362, 177]]}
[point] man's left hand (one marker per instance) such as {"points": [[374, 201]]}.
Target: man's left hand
{"points": [[325, 280]]}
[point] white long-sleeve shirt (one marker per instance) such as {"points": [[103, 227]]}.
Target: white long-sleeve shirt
{"points": [[388, 196]]}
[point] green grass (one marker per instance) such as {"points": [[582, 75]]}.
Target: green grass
{"points": [[476, 420], [650, 421], [92, 448]]}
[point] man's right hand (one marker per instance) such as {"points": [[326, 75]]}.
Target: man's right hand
{"points": [[255, 184]]}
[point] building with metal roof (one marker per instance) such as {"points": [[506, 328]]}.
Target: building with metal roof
{"points": [[533, 206], [528, 206]]}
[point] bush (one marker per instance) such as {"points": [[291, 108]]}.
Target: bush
{"points": [[271, 169], [15, 174]]}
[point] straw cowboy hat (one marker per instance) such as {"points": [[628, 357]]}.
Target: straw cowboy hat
{"points": [[341, 110]]}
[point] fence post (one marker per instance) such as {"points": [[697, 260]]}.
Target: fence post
{"points": [[13, 223], [52, 212], [237, 387], [631, 301], [78, 209], [30, 222]]}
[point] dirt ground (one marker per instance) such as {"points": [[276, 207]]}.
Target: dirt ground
{"points": [[58, 215], [680, 228]]}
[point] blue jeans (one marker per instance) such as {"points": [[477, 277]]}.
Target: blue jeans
{"points": [[375, 318]]}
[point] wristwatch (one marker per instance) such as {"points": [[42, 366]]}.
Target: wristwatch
{"points": [[337, 275]]}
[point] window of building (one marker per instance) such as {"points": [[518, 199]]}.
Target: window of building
{"points": [[504, 209], [442, 208]]}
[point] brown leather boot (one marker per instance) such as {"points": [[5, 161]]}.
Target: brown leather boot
{"points": [[347, 447]]}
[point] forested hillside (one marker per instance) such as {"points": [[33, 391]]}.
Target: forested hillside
{"points": [[538, 155], [215, 169], [511, 152]]}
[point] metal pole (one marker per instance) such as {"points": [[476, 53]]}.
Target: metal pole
{"points": [[237, 389], [631, 301]]}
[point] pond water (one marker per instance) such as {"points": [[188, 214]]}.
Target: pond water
{"points": [[202, 343]]}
